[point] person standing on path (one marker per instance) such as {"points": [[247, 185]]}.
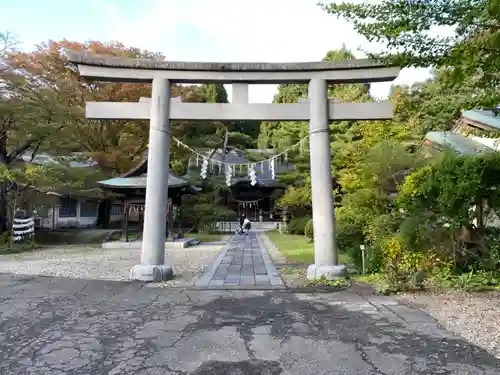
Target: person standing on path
{"points": [[247, 224], [242, 220]]}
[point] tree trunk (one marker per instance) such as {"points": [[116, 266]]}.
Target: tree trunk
{"points": [[4, 205], [104, 214], [480, 213]]}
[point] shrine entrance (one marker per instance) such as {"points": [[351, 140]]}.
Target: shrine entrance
{"points": [[256, 202], [162, 108]]}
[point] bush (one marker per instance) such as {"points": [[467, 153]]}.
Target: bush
{"points": [[491, 260], [308, 230], [298, 225], [354, 253], [348, 229], [19, 247], [405, 268], [374, 258]]}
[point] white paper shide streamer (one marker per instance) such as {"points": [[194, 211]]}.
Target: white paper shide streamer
{"points": [[229, 174], [204, 167], [272, 166], [23, 229], [230, 169], [252, 175]]}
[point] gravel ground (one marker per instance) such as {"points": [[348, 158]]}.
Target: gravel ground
{"points": [[474, 316], [84, 262]]}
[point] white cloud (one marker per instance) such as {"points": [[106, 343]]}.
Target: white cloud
{"points": [[231, 30]]}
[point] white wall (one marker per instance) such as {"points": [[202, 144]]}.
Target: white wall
{"points": [[76, 221], [79, 221], [493, 143]]}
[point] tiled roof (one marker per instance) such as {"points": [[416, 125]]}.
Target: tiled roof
{"points": [[140, 182], [484, 117], [76, 160], [459, 143]]}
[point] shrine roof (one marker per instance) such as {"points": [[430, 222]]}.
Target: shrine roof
{"points": [[460, 144], [136, 179], [260, 182], [140, 182], [489, 118]]}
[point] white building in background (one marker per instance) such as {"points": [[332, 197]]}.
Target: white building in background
{"points": [[62, 210], [59, 209], [470, 137]]}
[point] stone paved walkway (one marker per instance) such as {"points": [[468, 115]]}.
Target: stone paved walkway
{"points": [[244, 264]]}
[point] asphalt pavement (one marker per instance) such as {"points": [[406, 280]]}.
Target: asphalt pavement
{"points": [[60, 326]]}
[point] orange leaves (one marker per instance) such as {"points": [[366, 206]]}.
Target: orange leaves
{"points": [[53, 87]]}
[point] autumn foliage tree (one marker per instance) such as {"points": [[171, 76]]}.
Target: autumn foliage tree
{"points": [[43, 109], [115, 145]]}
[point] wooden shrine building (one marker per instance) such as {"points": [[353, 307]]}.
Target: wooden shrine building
{"points": [[258, 200], [473, 133], [130, 189]]}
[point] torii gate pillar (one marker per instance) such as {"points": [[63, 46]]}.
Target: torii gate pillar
{"points": [[325, 251], [153, 266]]}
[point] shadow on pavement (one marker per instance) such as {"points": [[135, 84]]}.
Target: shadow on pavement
{"points": [[65, 326]]}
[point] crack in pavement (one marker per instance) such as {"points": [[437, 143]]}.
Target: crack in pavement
{"points": [[91, 327]]}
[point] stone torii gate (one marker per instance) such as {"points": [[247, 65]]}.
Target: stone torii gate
{"points": [[162, 108]]}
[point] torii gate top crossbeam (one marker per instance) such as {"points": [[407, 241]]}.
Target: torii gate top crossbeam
{"points": [[99, 67]]}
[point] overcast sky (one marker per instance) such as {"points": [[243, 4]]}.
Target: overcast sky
{"points": [[196, 30]]}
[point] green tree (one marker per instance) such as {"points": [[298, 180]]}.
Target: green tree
{"points": [[441, 201], [463, 34], [344, 135], [213, 93], [241, 134], [436, 103]]}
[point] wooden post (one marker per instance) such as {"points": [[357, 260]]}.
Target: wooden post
{"points": [[181, 218], [125, 214], [363, 268], [12, 216], [123, 218], [53, 216]]}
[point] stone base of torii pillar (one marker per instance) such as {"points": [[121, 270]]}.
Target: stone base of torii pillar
{"points": [[152, 273], [329, 272]]}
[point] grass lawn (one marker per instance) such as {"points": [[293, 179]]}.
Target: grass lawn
{"points": [[297, 248], [206, 237]]}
